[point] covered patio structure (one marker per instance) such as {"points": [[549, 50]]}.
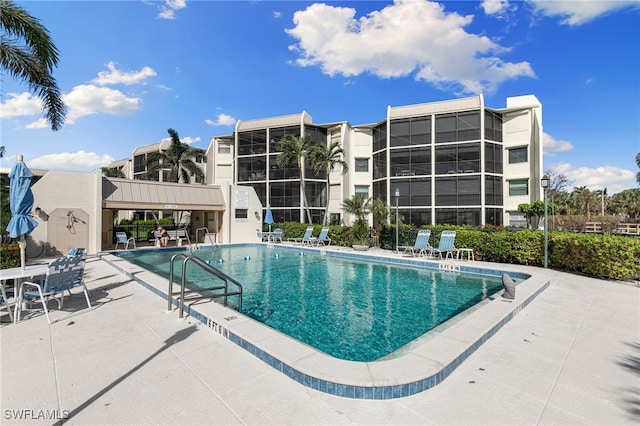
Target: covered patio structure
{"points": [[198, 208], [76, 209]]}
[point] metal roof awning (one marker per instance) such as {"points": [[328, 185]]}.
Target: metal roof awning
{"points": [[126, 194]]}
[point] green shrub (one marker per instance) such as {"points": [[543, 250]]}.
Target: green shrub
{"points": [[9, 256], [602, 256], [605, 256]]}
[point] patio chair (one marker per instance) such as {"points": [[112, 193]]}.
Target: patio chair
{"points": [[305, 238], [63, 274], [323, 238], [77, 251], [4, 299], [421, 245], [121, 238], [446, 245], [277, 235]]}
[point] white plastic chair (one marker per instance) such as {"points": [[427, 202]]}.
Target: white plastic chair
{"points": [[121, 238]]}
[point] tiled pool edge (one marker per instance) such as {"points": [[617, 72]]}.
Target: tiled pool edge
{"points": [[333, 387]]}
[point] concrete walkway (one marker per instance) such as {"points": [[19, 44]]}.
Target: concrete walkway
{"points": [[572, 357]]}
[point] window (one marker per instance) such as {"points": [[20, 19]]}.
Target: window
{"points": [[493, 216], [461, 191], [139, 163], [242, 213], [492, 157], [461, 126], [224, 148], [461, 158], [492, 126], [380, 137], [519, 187], [518, 155], [380, 165], [517, 220], [493, 190], [362, 165], [362, 191]]}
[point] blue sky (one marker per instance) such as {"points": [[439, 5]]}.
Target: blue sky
{"points": [[129, 70]]}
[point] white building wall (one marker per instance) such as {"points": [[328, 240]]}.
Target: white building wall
{"points": [[522, 128], [339, 177], [236, 229], [70, 213], [360, 146], [219, 166]]}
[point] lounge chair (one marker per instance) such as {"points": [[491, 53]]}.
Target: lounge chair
{"points": [[305, 238], [421, 245], [63, 274], [323, 238], [121, 238], [446, 245]]}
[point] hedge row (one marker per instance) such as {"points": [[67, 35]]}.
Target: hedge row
{"points": [[613, 257]]}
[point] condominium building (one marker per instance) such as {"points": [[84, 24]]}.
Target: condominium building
{"points": [[455, 162]]}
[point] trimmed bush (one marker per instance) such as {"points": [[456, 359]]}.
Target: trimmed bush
{"points": [[613, 257]]}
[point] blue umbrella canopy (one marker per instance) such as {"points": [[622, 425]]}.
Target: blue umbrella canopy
{"points": [[20, 200], [268, 217]]}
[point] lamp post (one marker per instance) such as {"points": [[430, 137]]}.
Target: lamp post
{"points": [[544, 183], [397, 217]]}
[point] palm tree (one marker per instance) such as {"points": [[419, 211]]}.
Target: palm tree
{"points": [[178, 159], [380, 210], [323, 158], [114, 173], [28, 54], [638, 163], [293, 150], [586, 198], [358, 206]]}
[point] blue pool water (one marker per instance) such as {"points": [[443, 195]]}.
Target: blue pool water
{"points": [[349, 309]]}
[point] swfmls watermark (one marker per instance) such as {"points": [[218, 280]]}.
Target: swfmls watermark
{"points": [[31, 414]]}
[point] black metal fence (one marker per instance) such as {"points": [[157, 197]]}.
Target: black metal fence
{"points": [[140, 231]]}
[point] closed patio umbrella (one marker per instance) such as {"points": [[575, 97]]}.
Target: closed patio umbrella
{"points": [[268, 217], [21, 203]]}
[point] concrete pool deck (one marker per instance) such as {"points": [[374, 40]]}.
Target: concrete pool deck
{"points": [[570, 357]]}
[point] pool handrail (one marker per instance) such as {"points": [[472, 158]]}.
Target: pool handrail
{"points": [[208, 268]]}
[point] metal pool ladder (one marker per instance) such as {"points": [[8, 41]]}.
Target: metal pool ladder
{"points": [[208, 237], [226, 280]]}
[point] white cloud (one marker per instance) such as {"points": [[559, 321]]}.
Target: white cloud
{"points": [[409, 37], [277, 14], [552, 145], [222, 120], [170, 7], [40, 123], [72, 161], [494, 7], [82, 100], [20, 104], [114, 76], [576, 13], [615, 179], [87, 99]]}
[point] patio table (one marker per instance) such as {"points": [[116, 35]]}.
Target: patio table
{"points": [[19, 275]]}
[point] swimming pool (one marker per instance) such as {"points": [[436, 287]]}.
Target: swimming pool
{"points": [[351, 309], [414, 368]]}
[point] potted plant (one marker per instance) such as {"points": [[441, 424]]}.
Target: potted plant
{"points": [[359, 207]]}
